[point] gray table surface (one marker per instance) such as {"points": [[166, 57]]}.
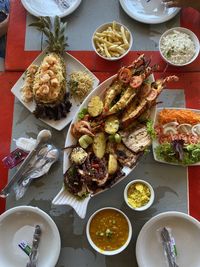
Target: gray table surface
{"points": [[91, 14], [169, 182]]}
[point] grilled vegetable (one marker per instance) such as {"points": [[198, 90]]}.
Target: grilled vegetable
{"points": [[111, 125], [112, 164], [99, 145], [85, 140], [78, 155], [95, 106]]}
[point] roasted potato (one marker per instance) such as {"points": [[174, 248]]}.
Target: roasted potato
{"points": [[95, 106], [112, 125], [99, 145], [112, 164]]}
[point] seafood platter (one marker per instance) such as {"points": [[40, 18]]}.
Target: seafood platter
{"points": [[54, 84], [109, 134]]}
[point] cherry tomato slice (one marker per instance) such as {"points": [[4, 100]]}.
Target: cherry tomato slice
{"points": [[136, 81], [124, 75]]}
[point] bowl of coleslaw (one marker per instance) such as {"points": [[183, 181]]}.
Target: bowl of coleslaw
{"points": [[179, 46]]}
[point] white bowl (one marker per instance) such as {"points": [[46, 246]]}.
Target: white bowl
{"points": [[186, 232], [106, 252], [148, 204], [17, 225], [193, 38], [104, 27]]}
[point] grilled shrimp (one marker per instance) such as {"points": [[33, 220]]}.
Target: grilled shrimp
{"points": [[81, 127]]}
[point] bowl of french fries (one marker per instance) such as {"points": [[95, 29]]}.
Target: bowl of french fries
{"points": [[112, 41]]}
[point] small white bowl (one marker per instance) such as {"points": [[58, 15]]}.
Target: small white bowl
{"points": [[103, 27], [193, 38], [106, 252], [148, 204]]}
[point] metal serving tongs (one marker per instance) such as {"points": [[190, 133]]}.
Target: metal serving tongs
{"points": [[42, 137], [167, 247]]}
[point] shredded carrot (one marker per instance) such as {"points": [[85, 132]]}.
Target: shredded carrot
{"points": [[179, 115]]}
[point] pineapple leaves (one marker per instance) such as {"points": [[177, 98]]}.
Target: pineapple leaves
{"points": [[56, 34]]}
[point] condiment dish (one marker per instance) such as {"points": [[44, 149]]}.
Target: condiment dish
{"points": [[150, 191], [181, 57], [117, 26], [102, 227]]}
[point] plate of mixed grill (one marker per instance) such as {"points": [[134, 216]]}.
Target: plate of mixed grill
{"points": [[55, 84], [177, 139], [109, 133]]}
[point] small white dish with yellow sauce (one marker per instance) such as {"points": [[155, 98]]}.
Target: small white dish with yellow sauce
{"points": [[139, 195], [109, 231]]}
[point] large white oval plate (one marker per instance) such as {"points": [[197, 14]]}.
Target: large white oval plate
{"points": [[72, 64], [148, 11], [186, 231], [49, 7], [64, 197], [17, 225]]}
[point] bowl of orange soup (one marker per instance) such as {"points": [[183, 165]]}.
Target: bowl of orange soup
{"points": [[109, 231]]}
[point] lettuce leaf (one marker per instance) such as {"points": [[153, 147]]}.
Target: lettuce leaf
{"points": [[190, 154]]}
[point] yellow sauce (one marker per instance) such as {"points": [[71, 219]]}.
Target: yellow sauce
{"points": [[109, 230], [138, 195]]}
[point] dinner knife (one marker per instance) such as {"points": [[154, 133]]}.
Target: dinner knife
{"points": [[42, 137], [167, 247], [34, 251]]}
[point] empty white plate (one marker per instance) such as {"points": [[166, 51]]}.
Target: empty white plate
{"points": [[17, 225], [148, 11], [50, 7], [185, 230]]}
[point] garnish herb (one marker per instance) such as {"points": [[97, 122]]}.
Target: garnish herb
{"points": [[82, 113], [150, 129]]}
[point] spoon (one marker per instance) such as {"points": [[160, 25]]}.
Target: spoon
{"points": [[42, 137]]}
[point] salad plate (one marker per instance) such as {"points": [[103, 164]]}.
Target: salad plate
{"points": [[186, 232], [51, 8], [174, 132], [73, 65], [148, 11]]}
